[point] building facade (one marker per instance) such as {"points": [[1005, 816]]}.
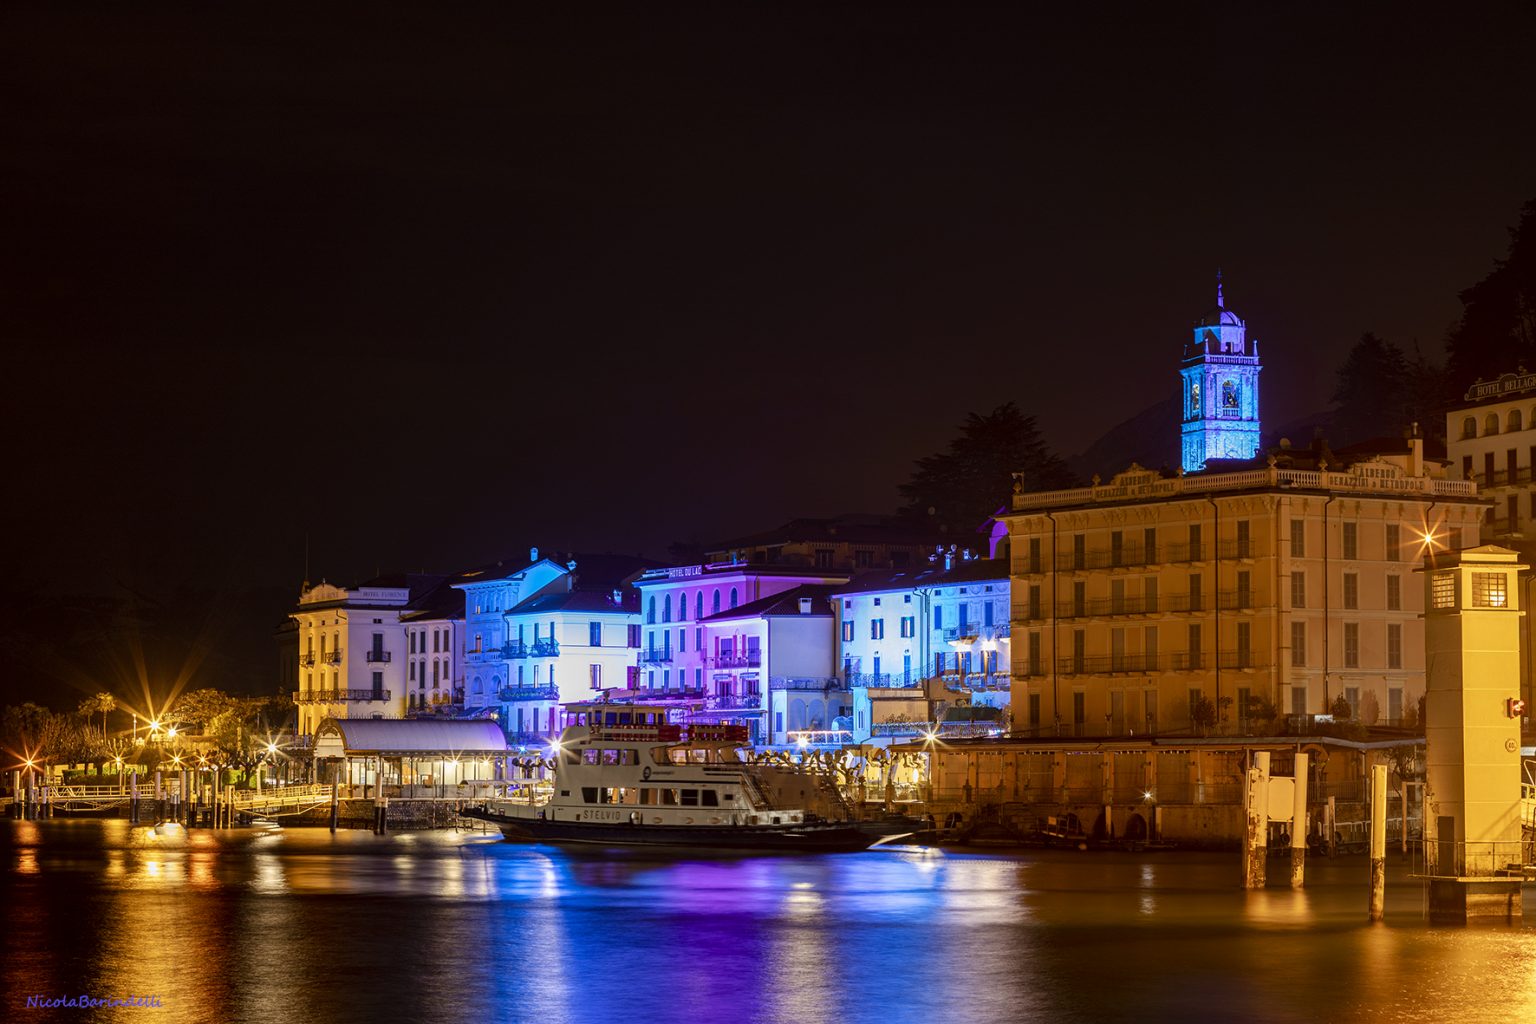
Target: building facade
{"points": [[913, 644], [352, 649], [1217, 601], [489, 593]]}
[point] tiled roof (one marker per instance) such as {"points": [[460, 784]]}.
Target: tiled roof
{"points": [[974, 571], [787, 603]]}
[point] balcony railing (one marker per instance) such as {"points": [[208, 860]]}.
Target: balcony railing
{"points": [[734, 701], [1110, 664], [819, 683], [522, 693], [743, 659], [1237, 600], [661, 657], [515, 649], [308, 660], [378, 657], [964, 631], [1196, 661], [335, 696], [331, 657], [986, 681], [874, 679], [547, 648], [1503, 477], [902, 728]]}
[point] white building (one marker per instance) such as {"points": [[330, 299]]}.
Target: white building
{"points": [[724, 672], [913, 644], [489, 593], [563, 646], [434, 651], [352, 649], [1491, 439]]}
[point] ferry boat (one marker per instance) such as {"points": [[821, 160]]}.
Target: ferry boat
{"points": [[627, 776]]}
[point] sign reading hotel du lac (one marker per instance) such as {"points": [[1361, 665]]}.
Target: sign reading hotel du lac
{"points": [[1504, 384]]}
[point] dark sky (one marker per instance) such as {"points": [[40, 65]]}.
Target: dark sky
{"points": [[429, 287]]}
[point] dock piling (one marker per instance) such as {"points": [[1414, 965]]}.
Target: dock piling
{"points": [[1378, 841]]}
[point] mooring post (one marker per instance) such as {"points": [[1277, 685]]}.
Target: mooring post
{"points": [[1256, 828], [133, 798], [1378, 841], [1330, 824], [1402, 788], [16, 792], [335, 801], [1299, 825]]}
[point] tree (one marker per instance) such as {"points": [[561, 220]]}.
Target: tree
{"points": [[202, 707], [1497, 330], [957, 489], [1371, 391], [106, 704]]}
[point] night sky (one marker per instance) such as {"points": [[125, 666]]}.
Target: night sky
{"points": [[427, 288]]}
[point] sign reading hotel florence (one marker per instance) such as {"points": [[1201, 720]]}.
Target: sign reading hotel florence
{"points": [[1504, 384]]}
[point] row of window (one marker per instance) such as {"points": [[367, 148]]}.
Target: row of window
{"points": [[682, 605], [441, 639], [1512, 422]]}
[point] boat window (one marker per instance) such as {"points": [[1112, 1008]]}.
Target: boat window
{"points": [[711, 798], [647, 796], [690, 798], [624, 717], [589, 794], [669, 797], [609, 795], [629, 755], [590, 755], [610, 756], [728, 796]]}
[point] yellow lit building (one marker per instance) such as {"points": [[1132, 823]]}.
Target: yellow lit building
{"points": [[1207, 602]]}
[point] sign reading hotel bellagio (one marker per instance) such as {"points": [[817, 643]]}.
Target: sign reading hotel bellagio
{"points": [[1504, 384]]}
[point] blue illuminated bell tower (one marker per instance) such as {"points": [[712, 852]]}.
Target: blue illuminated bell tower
{"points": [[1221, 390]]}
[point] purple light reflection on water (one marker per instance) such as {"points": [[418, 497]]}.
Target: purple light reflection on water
{"points": [[300, 925]]}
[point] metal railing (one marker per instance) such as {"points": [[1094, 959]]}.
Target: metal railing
{"points": [[734, 701], [520, 693], [378, 657], [515, 649], [743, 659], [1109, 664], [823, 683], [333, 696], [655, 657], [873, 679], [901, 728], [331, 657], [546, 648]]}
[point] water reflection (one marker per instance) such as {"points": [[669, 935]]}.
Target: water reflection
{"points": [[463, 927]]}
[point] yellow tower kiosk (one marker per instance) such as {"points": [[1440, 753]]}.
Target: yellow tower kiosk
{"points": [[1472, 735]]}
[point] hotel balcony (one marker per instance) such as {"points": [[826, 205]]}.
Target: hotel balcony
{"points": [[307, 660], [962, 632], [902, 728], [529, 693], [1199, 661], [734, 702], [986, 681], [547, 648], [661, 657], [877, 679], [331, 657], [821, 684], [1503, 478], [378, 657], [515, 649], [1109, 664], [744, 659], [337, 696]]}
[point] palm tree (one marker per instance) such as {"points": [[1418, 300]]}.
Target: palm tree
{"points": [[105, 703]]}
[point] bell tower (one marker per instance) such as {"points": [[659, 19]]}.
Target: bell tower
{"points": [[1220, 377]]}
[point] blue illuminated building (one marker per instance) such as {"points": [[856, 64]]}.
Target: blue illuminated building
{"points": [[1221, 390]]}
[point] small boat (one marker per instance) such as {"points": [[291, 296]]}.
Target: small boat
{"points": [[625, 775]]}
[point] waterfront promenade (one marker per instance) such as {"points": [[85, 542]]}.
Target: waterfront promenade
{"points": [[250, 925]]}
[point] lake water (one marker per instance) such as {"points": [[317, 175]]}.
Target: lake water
{"points": [[300, 925]]}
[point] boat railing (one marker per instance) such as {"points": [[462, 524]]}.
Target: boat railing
{"points": [[651, 733]]}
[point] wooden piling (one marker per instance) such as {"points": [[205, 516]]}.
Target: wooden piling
{"points": [[1299, 825], [1256, 822], [1378, 841], [133, 799], [1331, 830], [335, 802]]}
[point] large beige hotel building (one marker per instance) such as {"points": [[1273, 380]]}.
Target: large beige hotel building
{"points": [[1201, 601]]}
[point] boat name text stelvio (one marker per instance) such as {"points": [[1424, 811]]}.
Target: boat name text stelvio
{"points": [[591, 815]]}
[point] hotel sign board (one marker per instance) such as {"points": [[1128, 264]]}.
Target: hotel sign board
{"points": [[1504, 384]]}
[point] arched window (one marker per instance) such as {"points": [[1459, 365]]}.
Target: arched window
{"points": [[1514, 420], [476, 686], [411, 701], [1469, 427], [650, 609], [715, 604], [733, 597], [1491, 424], [682, 607], [698, 605], [666, 608]]}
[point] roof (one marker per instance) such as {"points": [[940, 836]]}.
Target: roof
{"points": [[973, 571], [1220, 317], [581, 601], [352, 736], [787, 603]]}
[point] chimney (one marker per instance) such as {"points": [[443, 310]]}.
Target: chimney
{"points": [[805, 606], [1415, 452], [618, 596], [949, 558], [533, 554]]}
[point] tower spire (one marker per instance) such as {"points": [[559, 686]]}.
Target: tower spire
{"points": [[1219, 303]]}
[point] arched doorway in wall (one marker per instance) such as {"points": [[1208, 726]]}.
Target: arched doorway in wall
{"points": [[1135, 829]]}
